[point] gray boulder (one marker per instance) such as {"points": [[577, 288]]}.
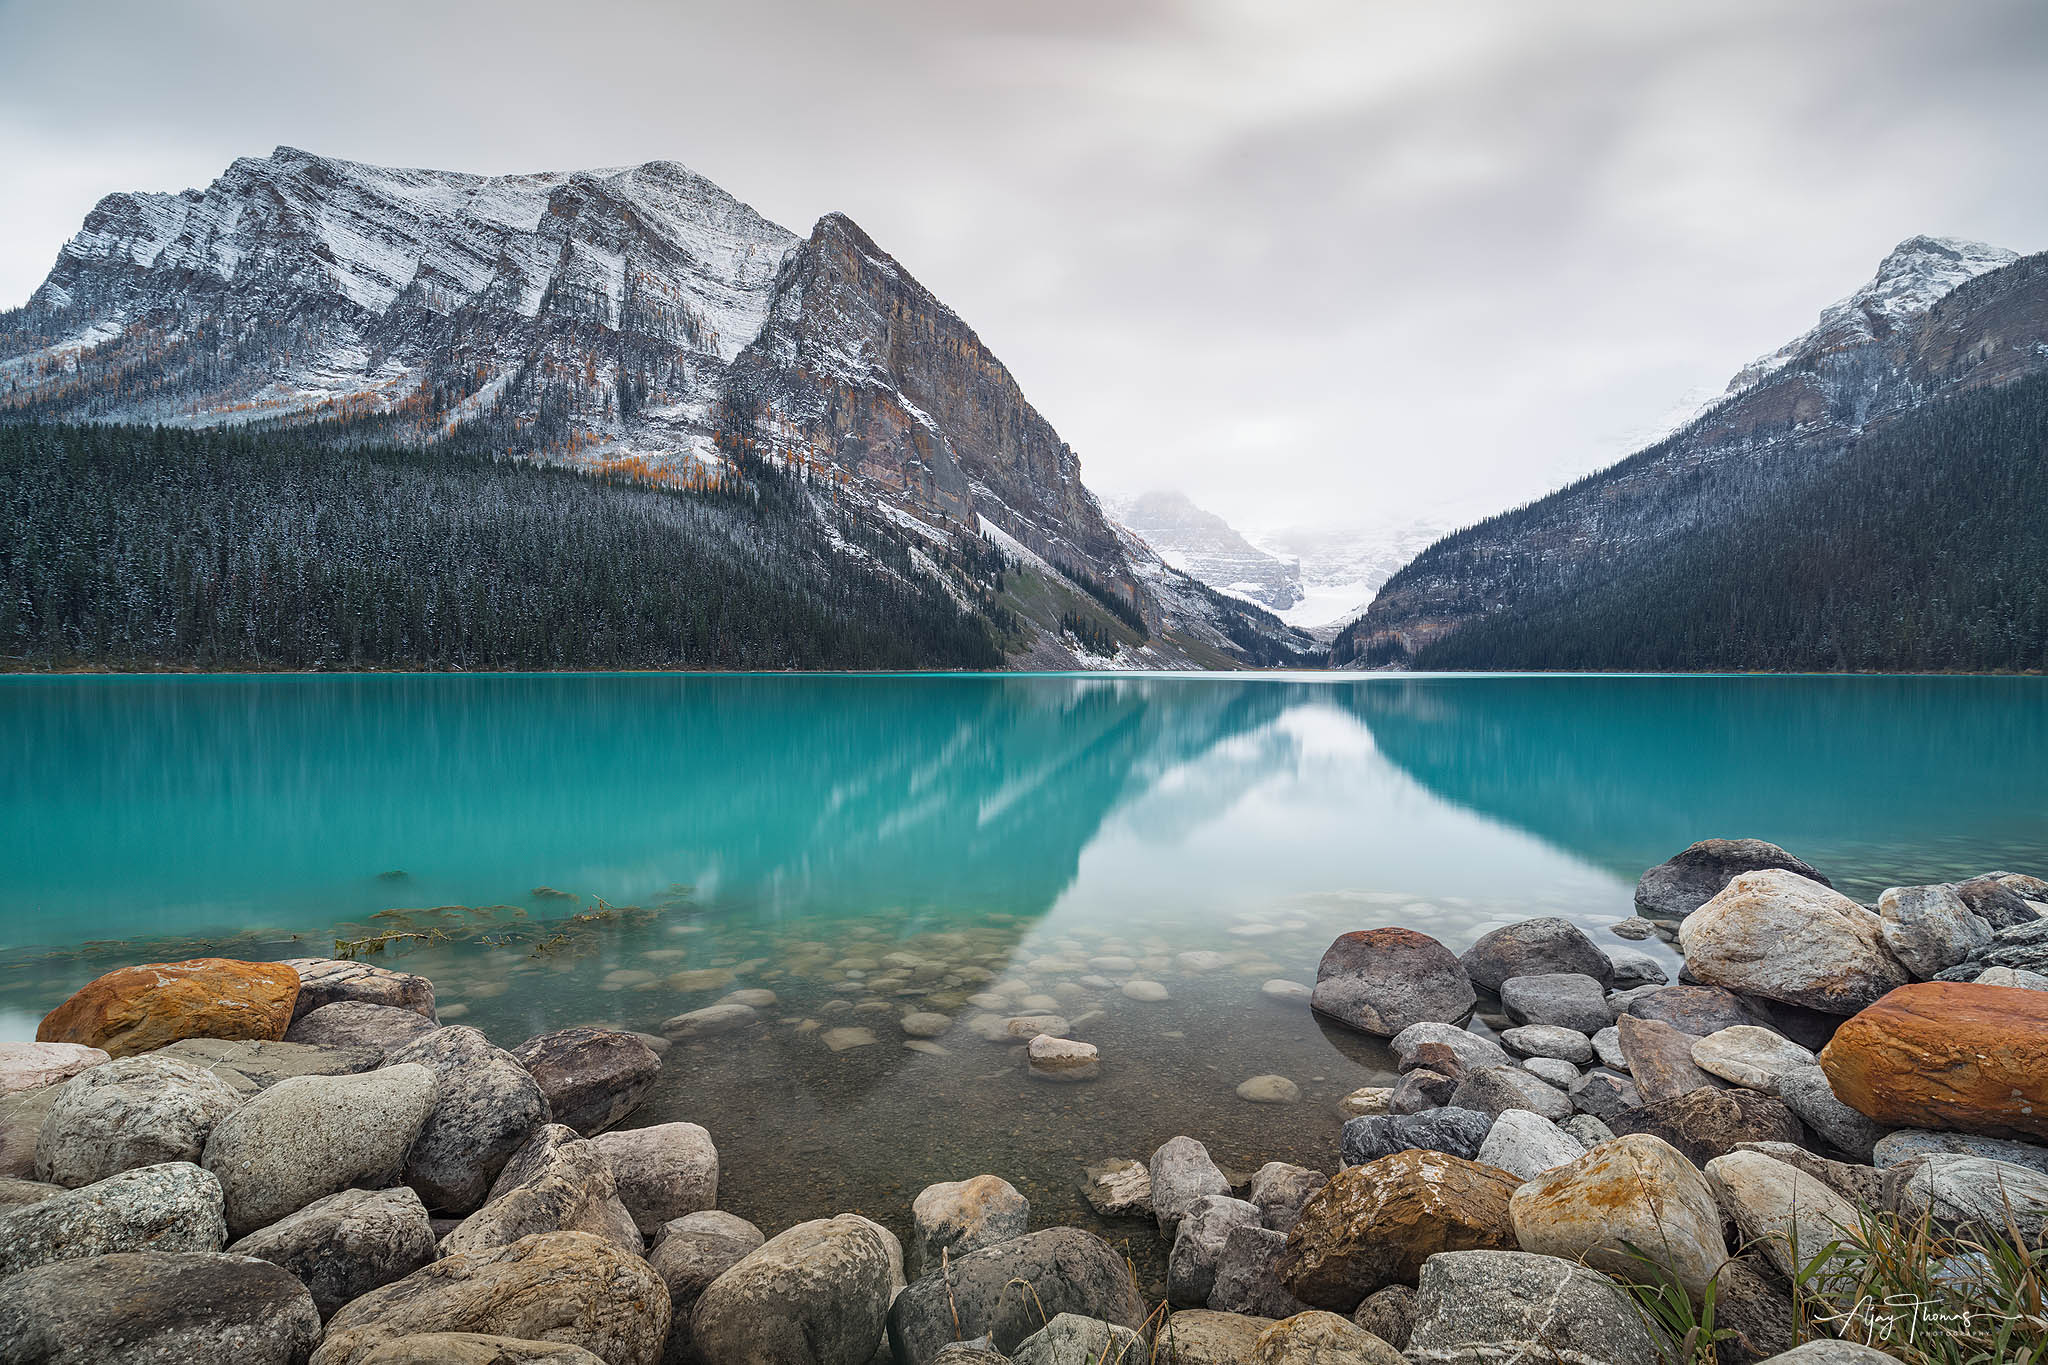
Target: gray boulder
{"points": [[1471, 1051], [817, 1294], [1909, 1144], [1182, 1173], [309, 1136], [253, 1064], [556, 1182], [958, 1216], [1009, 1290], [1280, 1189], [1551, 1071], [1750, 1056], [1683, 883], [1071, 1339], [1191, 1268], [487, 1106], [1978, 1195], [1388, 1314], [327, 980], [1929, 929], [1603, 1093], [1660, 1059], [1808, 1093], [663, 1172], [2017, 977], [16, 1194], [1248, 1275], [1498, 1089], [353, 1023], [1586, 1129], [1831, 1353], [1536, 947], [1458, 1132], [173, 1207], [1200, 1336], [157, 1308], [1996, 903], [1565, 999], [1474, 1306], [975, 1352], [1698, 1010], [1527, 1144], [130, 1112], [1549, 1040], [1420, 1090], [693, 1251], [1634, 967], [476, 1348], [21, 1125], [592, 1077], [1380, 981], [343, 1246]]}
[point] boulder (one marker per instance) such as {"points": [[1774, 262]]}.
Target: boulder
{"points": [[1375, 1224], [1380, 981], [1198, 1246], [487, 1105], [21, 1125], [1947, 1055], [140, 1009], [556, 1182], [1551, 1071], [662, 1172], [1498, 1089], [1200, 1336], [1750, 1056], [312, 1135], [253, 1064], [592, 1077], [1549, 1040], [16, 1194], [1280, 1189], [343, 1246], [1909, 1144], [976, 1352], [1783, 937], [724, 1017], [1248, 1275], [135, 1111], [1470, 1050], [566, 1287], [1527, 1144], [1698, 1010], [172, 1207], [1119, 1188], [1680, 885], [1660, 1059], [1367, 1099], [353, 1023], [31, 1066], [326, 980], [2018, 977], [1607, 1048], [1704, 1124], [1009, 1290], [1562, 999], [1976, 1195], [817, 1294], [1070, 1339], [1780, 1208], [1317, 1338], [1633, 967], [1749, 1302], [156, 1308], [1589, 1131], [1992, 900], [1535, 947], [475, 1348], [693, 1251], [1825, 1352], [1420, 1090], [1603, 1093], [1858, 1184], [1638, 1191], [1473, 1306], [1929, 929], [1062, 1059], [1458, 1132], [1181, 1173], [959, 1216], [1807, 1092]]}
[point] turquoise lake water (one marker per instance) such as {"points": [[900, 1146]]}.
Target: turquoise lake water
{"points": [[1011, 832]]}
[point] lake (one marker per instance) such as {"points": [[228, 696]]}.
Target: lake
{"points": [[621, 848]]}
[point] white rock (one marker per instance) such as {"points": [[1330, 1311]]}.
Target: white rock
{"points": [[1527, 1144]]}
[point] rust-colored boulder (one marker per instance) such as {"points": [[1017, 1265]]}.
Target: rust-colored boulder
{"points": [[140, 1009], [1380, 981], [1374, 1225], [1947, 1054]]}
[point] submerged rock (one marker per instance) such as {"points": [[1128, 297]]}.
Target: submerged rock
{"points": [[1062, 1059]]}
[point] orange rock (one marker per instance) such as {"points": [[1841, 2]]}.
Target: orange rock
{"points": [[1947, 1054], [140, 1009]]}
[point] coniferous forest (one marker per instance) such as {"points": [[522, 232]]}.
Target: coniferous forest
{"points": [[1923, 547], [129, 546]]}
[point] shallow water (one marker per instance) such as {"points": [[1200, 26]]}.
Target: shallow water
{"points": [[1008, 831]]}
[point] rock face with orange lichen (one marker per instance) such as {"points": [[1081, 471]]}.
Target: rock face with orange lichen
{"points": [[1947, 1054], [140, 1009]]}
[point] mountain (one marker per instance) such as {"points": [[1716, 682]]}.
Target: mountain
{"points": [[1341, 568], [639, 323], [1204, 545], [1941, 320]]}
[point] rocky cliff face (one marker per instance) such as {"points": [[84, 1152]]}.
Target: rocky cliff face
{"points": [[1207, 547], [1940, 317]]}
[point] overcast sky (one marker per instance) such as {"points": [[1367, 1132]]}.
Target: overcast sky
{"points": [[1335, 263]]}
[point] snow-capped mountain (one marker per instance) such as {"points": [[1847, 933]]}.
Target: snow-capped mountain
{"points": [[1202, 544]]}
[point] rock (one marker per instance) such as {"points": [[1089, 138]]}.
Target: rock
{"points": [[695, 1250], [1269, 1090], [1473, 1306], [474, 1348], [754, 998], [1704, 1124], [1991, 900], [1786, 938], [1607, 1047], [15, 1194], [1248, 1275], [1749, 1303], [1549, 1040], [1526, 1144], [486, 1106], [21, 1125], [312, 1135], [326, 980], [1857, 1184], [817, 1294], [251, 1064], [556, 1182], [1119, 1188], [960, 1216], [923, 1024], [1807, 1092], [351, 1023], [1375, 1224], [1977, 1196], [1198, 1246], [1287, 992], [1070, 1339], [156, 1308], [844, 1039], [592, 1077], [2017, 977], [1280, 1189], [1633, 967], [1603, 1093], [1537, 947], [663, 1172], [1929, 929], [172, 1207], [1589, 1131], [1563, 999], [565, 1287], [1061, 1059], [1316, 1338], [1181, 1173], [1824, 1352], [1660, 1059], [1698, 1010], [1367, 1099], [1501, 1088], [1909, 1144], [1199, 1336], [712, 1019], [343, 1246], [1471, 1051], [976, 1352], [136, 1111], [1007, 1291], [1552, 1072], [1389, 1314], [1750, 1056], [1634, 928], [1421, 1090], [1783, 1210], [1680, 885], [30, 1066], [1457, 1132], [1637, 1190], [1150, 992], [1947, 1055], [140, 1009], [1380, 981]]}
